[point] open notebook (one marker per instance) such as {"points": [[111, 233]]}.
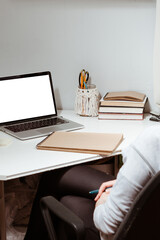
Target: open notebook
{"points": [[82, 142]]}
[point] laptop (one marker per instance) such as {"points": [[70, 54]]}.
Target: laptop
{"points": [[28, 107]]}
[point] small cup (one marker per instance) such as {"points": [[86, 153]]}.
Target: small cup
{"points": [[87, 101]]}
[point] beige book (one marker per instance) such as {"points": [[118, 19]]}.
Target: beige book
{"points": [[122, 103], [82, 142], [125, 95]]}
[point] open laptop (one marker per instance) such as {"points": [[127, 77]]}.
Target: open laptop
{"points": [[28, 107]]}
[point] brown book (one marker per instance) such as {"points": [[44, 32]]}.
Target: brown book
{"points": [[82, 142], [120, 116], [125, 95], [115, 103]]}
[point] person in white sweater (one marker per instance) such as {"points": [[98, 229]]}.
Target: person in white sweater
{"points": [[72, 185], [141, 162]]}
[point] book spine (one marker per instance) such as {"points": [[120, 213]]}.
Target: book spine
{"points": [[119, 116], [121, 104], [120, 110], [115, 103]]}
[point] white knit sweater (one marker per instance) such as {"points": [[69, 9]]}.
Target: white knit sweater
{"points": [[141, 162]]}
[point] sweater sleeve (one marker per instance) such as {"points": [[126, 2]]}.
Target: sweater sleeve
{"points": [[132, 176]]}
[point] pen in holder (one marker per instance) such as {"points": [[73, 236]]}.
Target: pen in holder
{"points": [[87, 101]]}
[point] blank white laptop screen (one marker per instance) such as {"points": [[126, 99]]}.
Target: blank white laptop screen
{"points": [[25, 98]]}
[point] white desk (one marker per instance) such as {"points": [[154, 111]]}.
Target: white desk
{"points": [[21, 158]]}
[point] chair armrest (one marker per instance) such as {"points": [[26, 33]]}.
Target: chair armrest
{"points": [[50, 204]]}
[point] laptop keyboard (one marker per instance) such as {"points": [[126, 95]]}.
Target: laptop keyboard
{"points": [[36, 124]]}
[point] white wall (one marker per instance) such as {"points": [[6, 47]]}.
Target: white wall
{"points": [[112, 39]]}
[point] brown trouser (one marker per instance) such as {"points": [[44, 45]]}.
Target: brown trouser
{"points": [[71, 186]]}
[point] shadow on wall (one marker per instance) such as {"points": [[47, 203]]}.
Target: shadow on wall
{"points": [[58, 98], [147, 107]]}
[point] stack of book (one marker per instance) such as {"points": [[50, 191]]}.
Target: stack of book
{"points": [[122, 105]]}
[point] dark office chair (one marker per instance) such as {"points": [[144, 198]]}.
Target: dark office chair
{"points": [[142, 222], [51, 205]]}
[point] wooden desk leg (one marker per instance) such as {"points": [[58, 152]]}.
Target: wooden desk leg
{"points": [[2, 213]]}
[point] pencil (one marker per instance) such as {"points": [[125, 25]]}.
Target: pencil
{"points": [[96, 191]]}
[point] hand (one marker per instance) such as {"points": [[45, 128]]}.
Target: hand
{"points": [[103, 188], [102, 199]]}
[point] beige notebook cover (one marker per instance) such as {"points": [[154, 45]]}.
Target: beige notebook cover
{"points": [[120, 103], [82, 142], [125, 95]]}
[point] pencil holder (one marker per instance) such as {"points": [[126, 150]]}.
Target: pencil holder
{"points": [[87, 101]]}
